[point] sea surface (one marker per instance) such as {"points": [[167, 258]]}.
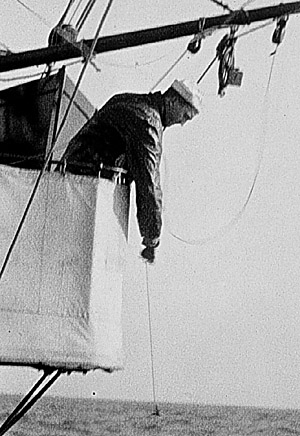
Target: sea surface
{"points": [[56, 416]]}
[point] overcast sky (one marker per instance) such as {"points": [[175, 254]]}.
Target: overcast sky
{"points": [[226, 324]]}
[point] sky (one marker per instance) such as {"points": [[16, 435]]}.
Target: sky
{"points": [[225, 310]]}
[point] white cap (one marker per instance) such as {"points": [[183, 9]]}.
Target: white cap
{"points": [[189, 92]]}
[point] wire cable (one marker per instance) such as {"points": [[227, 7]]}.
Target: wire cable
{"points": [[169, 70], [156, 410], [48, 157]]}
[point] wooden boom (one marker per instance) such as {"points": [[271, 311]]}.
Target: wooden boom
{"points": [[66, 51]]}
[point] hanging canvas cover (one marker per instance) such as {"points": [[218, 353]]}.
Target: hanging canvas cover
{"points": [[61, 293], [26, 135]]}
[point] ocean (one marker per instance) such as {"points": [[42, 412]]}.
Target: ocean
{"points": [[56, 416]]}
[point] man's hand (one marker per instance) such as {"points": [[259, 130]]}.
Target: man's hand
{"points": [[148, 254]]}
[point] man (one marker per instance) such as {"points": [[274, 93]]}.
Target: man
{"points": [[128, 131]]}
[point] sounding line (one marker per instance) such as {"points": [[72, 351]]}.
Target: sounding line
{"points": [[156, 410]]}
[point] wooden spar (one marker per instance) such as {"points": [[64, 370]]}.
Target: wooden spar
{"points": [[47, 55]]}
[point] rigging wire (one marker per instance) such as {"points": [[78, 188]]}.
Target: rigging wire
{"points": [[169, 70], [48, 157], [156, 409], [33, 12]]}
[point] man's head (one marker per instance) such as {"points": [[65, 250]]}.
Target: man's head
{"points": [[182, 103]]}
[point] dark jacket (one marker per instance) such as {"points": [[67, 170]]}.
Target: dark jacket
{"points": [[131, 124]]}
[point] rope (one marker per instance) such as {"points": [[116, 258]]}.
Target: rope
{"points": [[224, 230], [156, 410], [48, 157]]}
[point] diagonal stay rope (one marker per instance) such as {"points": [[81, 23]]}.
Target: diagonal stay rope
{"points": [[48, 157]]}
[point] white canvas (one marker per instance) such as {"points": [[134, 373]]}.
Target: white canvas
{"points": [[61, 293]]}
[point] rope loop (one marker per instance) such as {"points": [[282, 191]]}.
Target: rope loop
{"points": [[223, 230]]}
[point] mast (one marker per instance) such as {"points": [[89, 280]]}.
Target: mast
{"points": [[141, 37]]}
